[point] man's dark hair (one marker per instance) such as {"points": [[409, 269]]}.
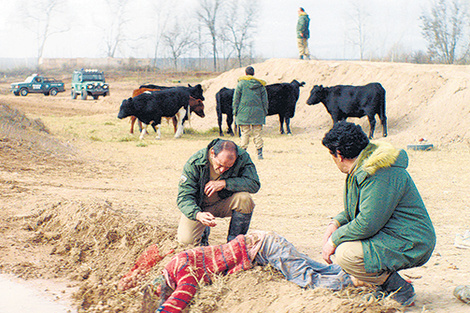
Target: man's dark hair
{"points": [[346, 138], [228, 145], [301, 9], [250, 71]]}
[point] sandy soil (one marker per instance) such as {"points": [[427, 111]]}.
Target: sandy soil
{"points": [[81, 202]]}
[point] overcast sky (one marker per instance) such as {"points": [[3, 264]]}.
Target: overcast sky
{"points": [[389, 23]]}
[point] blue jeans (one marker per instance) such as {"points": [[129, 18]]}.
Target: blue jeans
{"points": [[298, 267]]}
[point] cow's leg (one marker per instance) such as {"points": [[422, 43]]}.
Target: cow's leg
{"points": [[229, 124], [175, 124], [143, 132], [139, 123], [219, 122], [383, 121], [159, 133], [133, 118], [372, 125], [288, 126], [281, 122], [180, 116]]}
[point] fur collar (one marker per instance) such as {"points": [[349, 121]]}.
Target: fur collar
{"points": [[249, 77], [376, 156]]}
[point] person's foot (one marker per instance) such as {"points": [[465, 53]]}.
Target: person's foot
{"points": [[462, 293], [398, 289]]}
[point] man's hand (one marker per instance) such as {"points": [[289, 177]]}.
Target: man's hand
{"points": [[214, 186], [332, 227], [328, 251], [206, 219]]}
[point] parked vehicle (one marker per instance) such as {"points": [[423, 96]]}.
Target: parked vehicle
{"points": [[38, 84], [89, 82]]}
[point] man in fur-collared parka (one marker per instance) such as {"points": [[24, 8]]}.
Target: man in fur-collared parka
{"points": [[385, 226]]}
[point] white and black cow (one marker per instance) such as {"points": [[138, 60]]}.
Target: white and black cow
{"points": [[150, 107], [345, 101], [282, 98]]}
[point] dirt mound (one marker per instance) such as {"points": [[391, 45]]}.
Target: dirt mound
{"points": [[25, 141], [92, 244]]}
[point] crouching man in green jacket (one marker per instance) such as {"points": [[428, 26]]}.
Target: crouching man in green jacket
{"points": [[385, 226], [216, 182]]}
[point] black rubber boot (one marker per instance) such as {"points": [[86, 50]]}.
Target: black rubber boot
{"points": [[205, 236], [398, 289], [260, 153], [239, 224]]}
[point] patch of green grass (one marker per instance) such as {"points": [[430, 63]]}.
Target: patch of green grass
{"points": [[141, 144], [94, 138], [127, 139]]}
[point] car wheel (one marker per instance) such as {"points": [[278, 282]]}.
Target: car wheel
{"points": [[53, 92], [96, 97], [73, 94], [46, 93], [16, 93], [83, 95], [24, 92]]}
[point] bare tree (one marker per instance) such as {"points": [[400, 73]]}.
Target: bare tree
{"points": [[207, 15], [358, 31], [114, 35], [161, 18], [445, 29], [44, 19], [240, 25], [179, 41]]}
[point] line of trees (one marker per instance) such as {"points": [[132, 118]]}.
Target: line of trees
{"points": [[445, 26], [225, 29], [219, 28]]}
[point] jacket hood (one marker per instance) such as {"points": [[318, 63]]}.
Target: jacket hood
{"points": [[252, 82], [381, 155]]}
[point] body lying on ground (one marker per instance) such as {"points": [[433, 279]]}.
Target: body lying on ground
{"points": [[181, 276]]}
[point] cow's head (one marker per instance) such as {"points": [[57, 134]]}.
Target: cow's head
{"points": [[196, 106], [196, 92], [126, 108], [316, 95]]}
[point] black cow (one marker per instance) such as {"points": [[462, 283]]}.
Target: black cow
{"points": [[224, 100], [150, 107], [344, 101], [282, 98]]}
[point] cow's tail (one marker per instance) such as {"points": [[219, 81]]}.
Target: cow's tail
{"points": [[382, 104]]}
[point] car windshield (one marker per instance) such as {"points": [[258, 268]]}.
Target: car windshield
{"points": [[29, 79], [93, 77]]}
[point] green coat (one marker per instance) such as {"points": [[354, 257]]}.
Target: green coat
{"points": [[302, 26], [383, 209], [242, 176], [250, 101]]}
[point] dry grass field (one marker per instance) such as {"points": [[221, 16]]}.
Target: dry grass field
{"points": [[80, 197]]}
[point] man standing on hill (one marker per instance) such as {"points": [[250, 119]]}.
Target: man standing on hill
{"points": [[250, 107], [303, 34]]}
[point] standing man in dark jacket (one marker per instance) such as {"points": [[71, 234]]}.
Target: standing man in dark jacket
{"points": [[385, 226], [216, 182], [250, 107], [303, 34]]}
